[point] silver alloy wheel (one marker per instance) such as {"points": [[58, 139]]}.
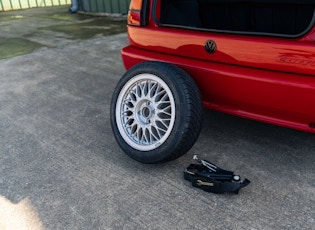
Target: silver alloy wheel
{"points": [[145, 112]]}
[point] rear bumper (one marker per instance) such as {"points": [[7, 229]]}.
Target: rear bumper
{"points": [[278, 98]]}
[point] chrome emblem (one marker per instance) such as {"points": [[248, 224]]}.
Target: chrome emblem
{"points": [[210, 46]]}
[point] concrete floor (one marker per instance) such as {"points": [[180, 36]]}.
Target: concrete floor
{"points": [[28, 30], [60, 167]]}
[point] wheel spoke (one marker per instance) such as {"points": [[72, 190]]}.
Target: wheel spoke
{"points": [[153, 133], [163, 113]]}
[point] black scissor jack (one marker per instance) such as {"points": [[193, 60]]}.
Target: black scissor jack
{"points": [[211, 178]]}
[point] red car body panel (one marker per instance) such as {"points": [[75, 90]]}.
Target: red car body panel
{"points": [[279, 54], [270, 79]]}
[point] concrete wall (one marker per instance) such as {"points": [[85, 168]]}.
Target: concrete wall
{"points": [[104, 6], [94, 6], [25, 4]]}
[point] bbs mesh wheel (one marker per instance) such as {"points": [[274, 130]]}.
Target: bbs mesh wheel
{"points": [[156, 112]]}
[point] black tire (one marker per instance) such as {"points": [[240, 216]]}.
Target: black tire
{"points": [[156, 112]]}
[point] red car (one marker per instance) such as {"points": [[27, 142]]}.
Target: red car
{"points": [[253, 58]]}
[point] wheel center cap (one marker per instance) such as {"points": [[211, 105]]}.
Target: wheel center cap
{"points": [[145, 112]]}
